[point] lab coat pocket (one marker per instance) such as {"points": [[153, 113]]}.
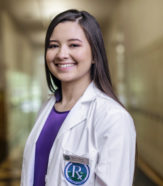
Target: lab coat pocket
{"points": [[79, 168]]}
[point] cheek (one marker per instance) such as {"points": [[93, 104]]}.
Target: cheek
{"points": [[49, 56], [84, 56], [88, 55]]}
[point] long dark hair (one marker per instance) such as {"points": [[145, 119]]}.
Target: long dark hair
{"points": [[100, 70]]}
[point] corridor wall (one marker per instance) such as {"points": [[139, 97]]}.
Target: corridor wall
{"points": [[137, 27]]}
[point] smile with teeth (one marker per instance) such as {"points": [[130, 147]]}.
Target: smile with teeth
{"points": [[65, 65]]}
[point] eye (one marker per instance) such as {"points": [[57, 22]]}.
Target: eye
{"points": [[74, 45], [53, 46]]}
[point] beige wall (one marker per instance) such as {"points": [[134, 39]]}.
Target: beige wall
{"points": [[20, 85], [137, 26]]}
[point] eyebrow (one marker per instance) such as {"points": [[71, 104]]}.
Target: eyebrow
{"points": [[73, 39]]}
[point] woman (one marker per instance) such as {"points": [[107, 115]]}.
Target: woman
{"points": [[83, 135]]}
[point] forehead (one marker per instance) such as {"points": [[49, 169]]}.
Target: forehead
{"points": [[68, 29]]}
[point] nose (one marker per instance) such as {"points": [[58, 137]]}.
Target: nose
{"points": [[62, 53]]}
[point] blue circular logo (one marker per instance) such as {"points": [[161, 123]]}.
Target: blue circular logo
{"points": [[76, 173]]}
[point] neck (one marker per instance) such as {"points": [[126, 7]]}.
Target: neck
{"points": [[71, 92]]}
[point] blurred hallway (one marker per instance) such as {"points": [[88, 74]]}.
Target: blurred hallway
{"points": [[133, 35]]}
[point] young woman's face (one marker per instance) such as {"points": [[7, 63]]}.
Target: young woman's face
{"points": [[69, 56]]}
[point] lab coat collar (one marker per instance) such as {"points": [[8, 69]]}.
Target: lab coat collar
{"points": [[80, 110], [90, 93]]}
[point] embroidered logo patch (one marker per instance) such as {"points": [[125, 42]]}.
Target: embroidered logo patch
{"points": [[76, 173]]}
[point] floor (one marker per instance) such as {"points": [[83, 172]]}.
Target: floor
{"points": [[10, 175], [142, 180]]}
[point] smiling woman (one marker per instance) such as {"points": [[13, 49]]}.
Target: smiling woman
{"points": [[69, 56], [83, 135]]}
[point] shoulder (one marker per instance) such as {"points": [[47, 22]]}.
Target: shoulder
{"points": [[112, 123], [106, 104], [111, 115]]}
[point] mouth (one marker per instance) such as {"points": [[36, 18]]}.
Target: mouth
{"points": [[65, 65]]}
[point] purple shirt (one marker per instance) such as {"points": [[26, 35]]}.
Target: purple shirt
{"points": [[44, 145]]}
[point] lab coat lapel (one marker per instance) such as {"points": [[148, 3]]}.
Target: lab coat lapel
{"points": [[80, 110], [29, 153], [42, 117], [75, 117]]}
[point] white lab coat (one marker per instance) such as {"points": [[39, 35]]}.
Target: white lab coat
{"points": [[97, 129]]}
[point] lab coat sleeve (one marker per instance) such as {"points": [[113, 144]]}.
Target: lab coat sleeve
{"points": [[116, 139]]}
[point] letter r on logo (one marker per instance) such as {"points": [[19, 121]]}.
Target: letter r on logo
{"points": [[77, 170]]}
